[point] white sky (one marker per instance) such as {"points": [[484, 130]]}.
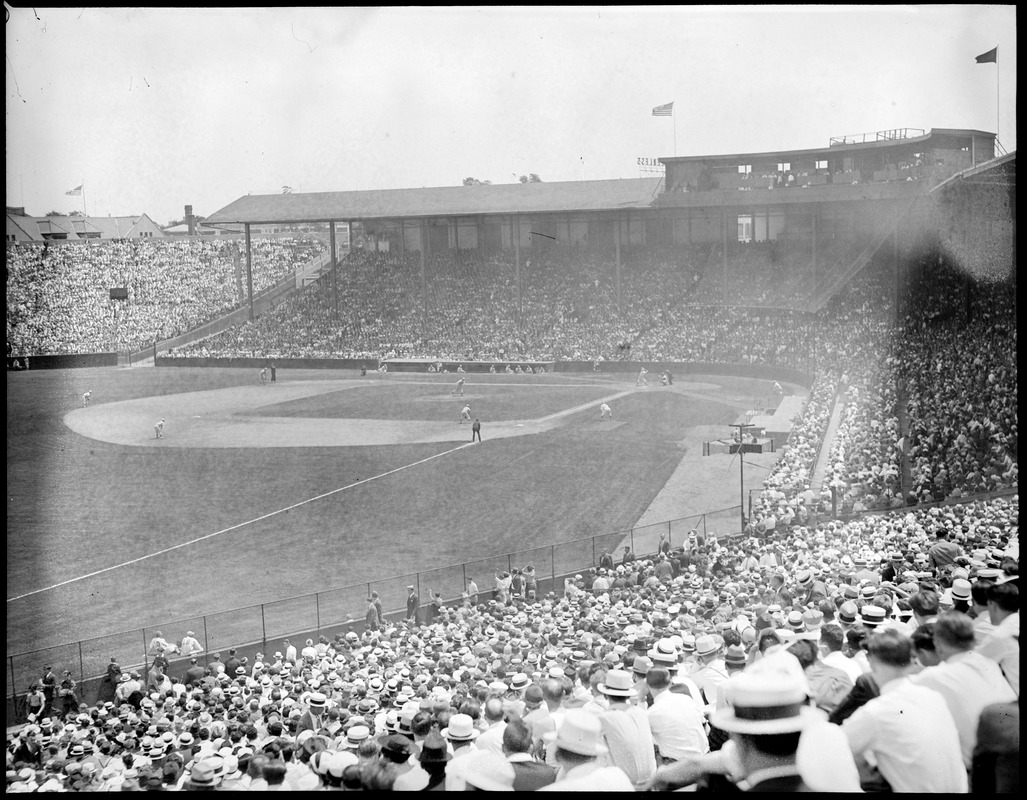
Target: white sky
{"points": [[155, 109]]}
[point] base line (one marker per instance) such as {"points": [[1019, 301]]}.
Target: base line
{"points": [[236, 527]]}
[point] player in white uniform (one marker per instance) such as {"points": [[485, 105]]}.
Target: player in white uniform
{"points": [[459, 390], [85, 398], [605, 412], [641, 378], [460, 369], [465, 414], [159, 430]]}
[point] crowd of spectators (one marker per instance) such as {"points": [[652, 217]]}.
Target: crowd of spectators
{"points": [[58, 294], [880, 653]]}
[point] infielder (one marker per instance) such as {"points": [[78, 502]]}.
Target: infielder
{"points": [[85, 398], [641, 378], [158, 429], [459, 388], [605, 412], [465, 414]]}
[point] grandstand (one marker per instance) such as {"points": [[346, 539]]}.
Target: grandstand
{"points": [[874, 278]]}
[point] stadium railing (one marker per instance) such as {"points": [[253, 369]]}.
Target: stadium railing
{"points": [[253, 629], [261, 628]]}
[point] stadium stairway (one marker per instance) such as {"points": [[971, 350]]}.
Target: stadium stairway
{"points": [[817, 480]]}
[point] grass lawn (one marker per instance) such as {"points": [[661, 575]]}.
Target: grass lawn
{"points": [[78, 506]]}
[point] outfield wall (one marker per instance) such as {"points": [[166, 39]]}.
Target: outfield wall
{"points": [[69, 361], [760, 371]]}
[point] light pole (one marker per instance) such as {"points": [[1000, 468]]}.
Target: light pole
{"points": [[741, 468]]}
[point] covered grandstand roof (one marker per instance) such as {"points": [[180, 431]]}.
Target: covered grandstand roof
{"points": [[443, 201], [833, 149]]}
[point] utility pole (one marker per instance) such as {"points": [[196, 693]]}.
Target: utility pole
{"points": [[741, 467]]}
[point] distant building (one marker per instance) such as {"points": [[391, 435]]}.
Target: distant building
{"points": [[23, 228]]}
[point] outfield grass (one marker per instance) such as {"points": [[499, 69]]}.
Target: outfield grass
{"points": [[77, 505]]}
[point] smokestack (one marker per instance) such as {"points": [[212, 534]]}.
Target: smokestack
{"points": [[190, 220]]}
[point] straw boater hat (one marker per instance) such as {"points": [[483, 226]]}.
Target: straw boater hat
{"points": [[461, 729], [872, 616], [618, 683], [484, 770], [581, 732], [766, 701]]}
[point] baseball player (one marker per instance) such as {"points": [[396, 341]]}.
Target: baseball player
{"points": [[459, 390], [159, 430], [641, 378], [86, 397], [605, 412], [465, 414]]}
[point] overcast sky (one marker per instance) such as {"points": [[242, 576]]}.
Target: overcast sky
{"points": [[154, 109]]}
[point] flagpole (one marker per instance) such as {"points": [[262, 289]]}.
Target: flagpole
{"points": [[85, 213], [675, 133]]}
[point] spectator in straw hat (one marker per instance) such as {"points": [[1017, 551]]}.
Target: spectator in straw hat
{"points": [[908, 731], [626, 730], [577, 745], [778, 742], [710, 671], [482, 770], [314, 718]]}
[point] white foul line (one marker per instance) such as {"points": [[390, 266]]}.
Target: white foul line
{"points": [[236, 527]]}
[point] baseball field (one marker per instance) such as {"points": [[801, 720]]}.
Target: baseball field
{"points": [[322, 479]]}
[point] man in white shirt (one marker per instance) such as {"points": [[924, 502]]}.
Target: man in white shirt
{"points": [[190, 645], [979, 606], [907, 732], [968, 681], [677, 724], [832, 642], [492, 737], [1003, 646], [626, 729]]}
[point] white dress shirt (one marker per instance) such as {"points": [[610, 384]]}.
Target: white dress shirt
{"points": [[909, 734], [677, 725], [844, 663], [969, 682]]}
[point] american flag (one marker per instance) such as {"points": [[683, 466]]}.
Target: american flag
{"points": [[664, 110], [76, 191]]}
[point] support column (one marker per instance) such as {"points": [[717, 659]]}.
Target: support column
{"points": [[515, 232], [249, 268], [898, 272], [813, 279], [335, 268], [616, 243], [723, 249], [424, 281]]}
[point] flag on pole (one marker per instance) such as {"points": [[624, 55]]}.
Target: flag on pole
{"points": [[664, 110], [991, 57], [76, 192]]}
